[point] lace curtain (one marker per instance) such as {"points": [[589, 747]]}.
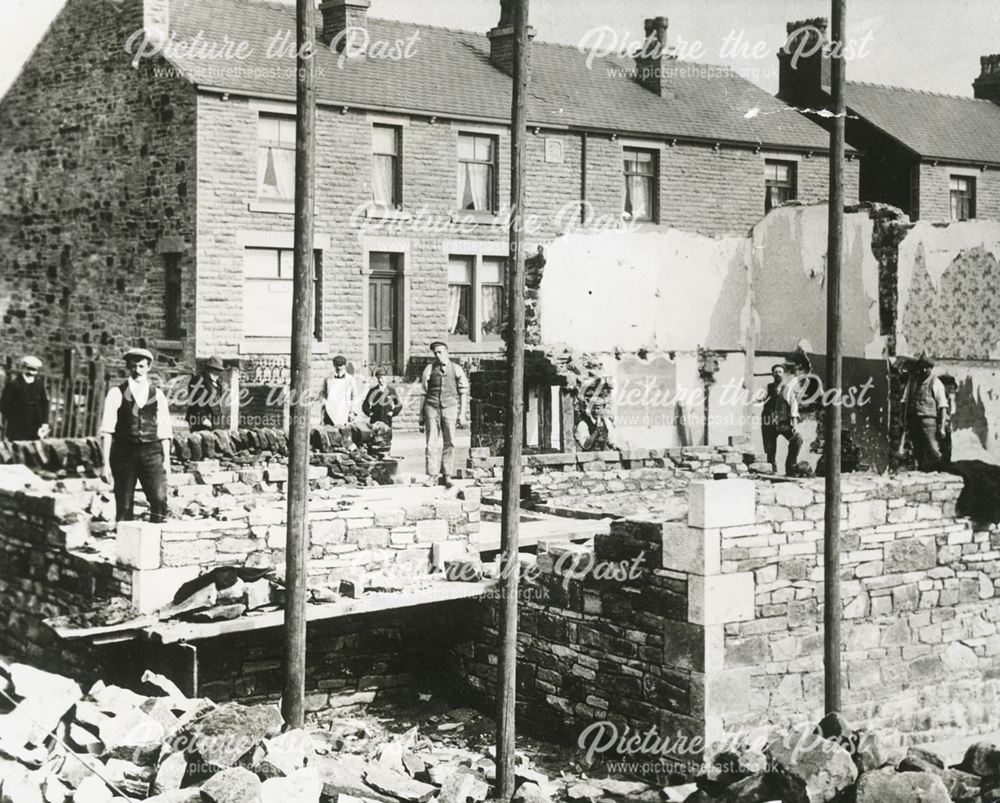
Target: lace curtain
{"points": [[276, 172]]}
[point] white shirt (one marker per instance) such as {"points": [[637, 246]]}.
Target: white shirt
{"points": [[140, 392], [340, 395]]}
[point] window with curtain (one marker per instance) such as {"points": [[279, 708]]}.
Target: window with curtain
{"points": [[477, 172], [386, 173], [963, 197], [779, 183], [276, 157], [640, 184], [492, 277], [267, 292], [460, 277]]}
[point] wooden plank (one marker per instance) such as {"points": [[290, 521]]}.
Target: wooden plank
{"points": [[173, 632]]}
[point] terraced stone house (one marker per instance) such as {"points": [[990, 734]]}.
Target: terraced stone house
{"points": [[935, 156], [146, 183]]}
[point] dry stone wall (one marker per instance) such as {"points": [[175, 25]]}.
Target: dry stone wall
{"points": [[720, 631]]}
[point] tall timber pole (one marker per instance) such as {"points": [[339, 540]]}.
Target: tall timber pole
{"points": [[514, 422], [832, 612], [292, 702]]}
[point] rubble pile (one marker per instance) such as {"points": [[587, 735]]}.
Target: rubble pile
{"points": [[834, 761], [58, 745]]}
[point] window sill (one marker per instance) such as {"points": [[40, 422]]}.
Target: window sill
{"points": [[476, 218], [272, 205], [168, 344], [385, 213], [276, 345]]}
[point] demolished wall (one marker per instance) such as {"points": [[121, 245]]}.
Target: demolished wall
{"points": [[750, 301]]}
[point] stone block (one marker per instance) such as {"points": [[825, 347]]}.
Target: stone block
{"points": [[869, 513], [432, 530], [692, 550], [910, 555], [188, 553], [691, 647], [721, 503], [137, 544], [154, 588], [720, 599]]}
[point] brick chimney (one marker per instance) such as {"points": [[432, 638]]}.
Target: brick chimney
{"points": [[987, 85], [651, 62], [803, 67], [502, 39], [340, 16]]}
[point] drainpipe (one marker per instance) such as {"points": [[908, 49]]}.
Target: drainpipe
{"points": [[583, 177]]}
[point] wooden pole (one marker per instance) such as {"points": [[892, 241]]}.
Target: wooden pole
{"points": [[292, 702], [514, 422], [832, 612]]}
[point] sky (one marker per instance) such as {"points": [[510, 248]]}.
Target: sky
{"points": [[932, 45]]}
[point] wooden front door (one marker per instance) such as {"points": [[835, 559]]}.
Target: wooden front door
{"points": [[383, 323]]}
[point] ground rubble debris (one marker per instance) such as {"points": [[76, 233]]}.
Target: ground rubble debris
{"points": [[111, 744], [834, 761]]}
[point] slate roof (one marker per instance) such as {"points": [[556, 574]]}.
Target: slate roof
{"points": [[450, 75], [945, 127]]}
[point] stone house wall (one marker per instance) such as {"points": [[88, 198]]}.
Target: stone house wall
{"points": [[935, 197], [97, 192]]}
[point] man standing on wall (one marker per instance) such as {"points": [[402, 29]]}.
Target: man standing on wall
{"points": [[25, 404], [340, 393], [927, 410], [205, 393], [780, 417], [446, 390], [135, 439]]}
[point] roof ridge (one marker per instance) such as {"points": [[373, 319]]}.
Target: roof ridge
{"points": [[930, 92]]}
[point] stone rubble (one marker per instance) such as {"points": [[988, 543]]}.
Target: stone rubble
{"points": [[834, 762], [174, 749]]}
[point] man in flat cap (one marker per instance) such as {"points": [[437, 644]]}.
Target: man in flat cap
{"points": [[205, 395], [24, 404], [340, 396], [381, 405], [135, 439], [927, 413], [446, 390]]}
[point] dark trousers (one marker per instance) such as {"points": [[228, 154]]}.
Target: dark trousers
{"points": [[770, 435], [926, 444], [142, 462]]}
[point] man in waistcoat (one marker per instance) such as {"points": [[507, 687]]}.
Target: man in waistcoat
{"points": [[780, 417], [927, 411], [446, 390], [135, 439]]}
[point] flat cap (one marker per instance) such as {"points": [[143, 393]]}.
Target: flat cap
{"points": [[31, 362], [436, 343], [139, 354], [214, 363], [340, 359]]}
